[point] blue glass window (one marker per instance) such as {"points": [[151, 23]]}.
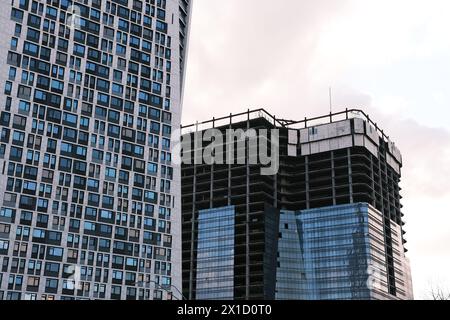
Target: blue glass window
{"points": [[110, 172]]}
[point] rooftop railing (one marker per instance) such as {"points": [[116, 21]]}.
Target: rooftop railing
{"points": [[278, 122]]}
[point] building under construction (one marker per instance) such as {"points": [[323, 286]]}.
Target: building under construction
{"points": [[327, 225]]}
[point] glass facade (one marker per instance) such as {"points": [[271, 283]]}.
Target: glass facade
{"points": [[215, 254], [89, 195], [332, 253], [291, 275]]}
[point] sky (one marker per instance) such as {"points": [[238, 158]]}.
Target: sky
{"points": [[390, 58]]}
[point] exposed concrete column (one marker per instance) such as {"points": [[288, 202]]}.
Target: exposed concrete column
{"points": [[194, 191], [380, 184], [275, 177], [372, 177], [333, 178], [247, 217], [229, 165], [350, 179], [211, 181], [387, 191], [386, 225], [308, 206]]}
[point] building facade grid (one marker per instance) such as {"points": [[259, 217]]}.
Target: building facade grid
{"points": [[215, 254], [89, 202]]}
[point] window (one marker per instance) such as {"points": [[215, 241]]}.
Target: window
{"points": [[166, 281], [38, 234], [117, 89], [57, 85], [15, 154], [103, 85], [31, 49], [100, 112], [165, 143], [161, 26], [4, 245], [95, 14], [65, 164], [93, 199], [150, 196], [51, 283], [154, 127], [118, 275], [93, 184], [120, 49], [167, 130], [52, 13], [148, 222], [105, 214], [84, 122], [152, 168], [55, 251], [17, 14], [18, 137], [33, 281], [139, 150], [102, 99], [12, 73], [30, 186], [81, 151], [79, 49], [104, 244], [54, 236], [118, 260], [24, 106], [18, 29], [97, 155], [66, 147], [91, 213], [89, 226], [108, 201], [70, 118], [110, 172], [8, 87], [4, 228], [313, 131], [70, 134], [156, 88]]}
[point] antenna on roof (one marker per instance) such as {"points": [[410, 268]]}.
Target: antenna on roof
{"points": [[331, 102]]}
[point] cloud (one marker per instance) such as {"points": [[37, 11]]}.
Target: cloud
{"points": [[425, 150], [247, 54]]}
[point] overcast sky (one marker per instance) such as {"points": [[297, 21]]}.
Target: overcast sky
{"points": [[389, 57]]}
